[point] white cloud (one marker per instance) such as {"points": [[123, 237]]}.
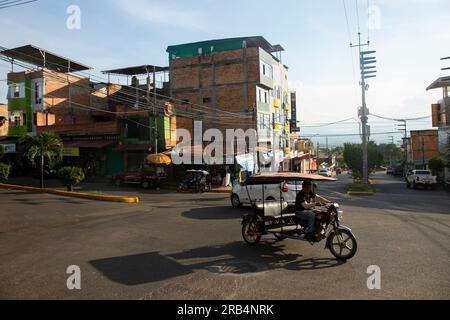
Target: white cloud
{"points": [[156, 12]]}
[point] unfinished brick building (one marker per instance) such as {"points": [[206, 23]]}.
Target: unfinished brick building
{"points": [[424, 146], [236, 83]]}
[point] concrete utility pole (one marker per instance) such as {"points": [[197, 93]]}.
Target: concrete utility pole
{"points": [[403, 128], [366, 73], [155, 112]]}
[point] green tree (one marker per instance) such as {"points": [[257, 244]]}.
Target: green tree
{"points": [[436, 165], [4, 172], [45, 146], [353, 157], [71, 176]]}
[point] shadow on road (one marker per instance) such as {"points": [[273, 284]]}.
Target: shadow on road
{"points": [[215, 213], [232, 258]]}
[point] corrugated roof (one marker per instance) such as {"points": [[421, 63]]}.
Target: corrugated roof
{"points": [[43, 58], [138, 70], [440, 83], [218, 45]]}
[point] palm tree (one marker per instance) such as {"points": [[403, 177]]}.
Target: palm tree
{"points": [[46, 146]]}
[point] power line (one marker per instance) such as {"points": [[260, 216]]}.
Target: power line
{"points": [[206, 108], [400, 119], [14, 3], [132, 100], [357, 14], [346, 134]]}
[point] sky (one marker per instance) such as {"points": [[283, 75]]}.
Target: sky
{"points": [[410, 37]]}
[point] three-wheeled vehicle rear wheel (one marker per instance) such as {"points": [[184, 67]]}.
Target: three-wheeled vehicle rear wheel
{"points": [[235, 201], [250, 232], [342, 245], [279, 237]]}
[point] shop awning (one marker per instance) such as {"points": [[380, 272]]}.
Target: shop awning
{"points": [[89, 144], [134, 147]]}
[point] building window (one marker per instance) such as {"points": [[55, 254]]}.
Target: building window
{"points": [[185, 101], [17, 119], [266, 70], [16, 90], [263, 95], [207, 99], [38, 93]]}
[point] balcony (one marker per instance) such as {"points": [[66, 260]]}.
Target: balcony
{"points": [[276, 103], [265, 82], [277, 127], [287, 128]]}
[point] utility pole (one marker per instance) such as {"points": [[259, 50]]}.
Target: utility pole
{"points": [[403, 128], [155, 112], [424, 165], [318, 156], [366, 73]]}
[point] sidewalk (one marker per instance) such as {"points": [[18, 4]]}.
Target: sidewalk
{"points": [[102, 185]]}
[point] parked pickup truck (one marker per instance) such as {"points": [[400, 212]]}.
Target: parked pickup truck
{"points": [[422, 178]]}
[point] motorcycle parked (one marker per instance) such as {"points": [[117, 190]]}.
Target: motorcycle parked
{"points": [[196, 180]]}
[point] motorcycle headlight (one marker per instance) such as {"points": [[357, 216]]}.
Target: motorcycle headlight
{"points": [[340, 214]]}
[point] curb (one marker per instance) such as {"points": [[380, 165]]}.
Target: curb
{"points": [[73, 194]]}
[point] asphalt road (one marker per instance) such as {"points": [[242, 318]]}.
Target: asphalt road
{"points": [[186, 246]]}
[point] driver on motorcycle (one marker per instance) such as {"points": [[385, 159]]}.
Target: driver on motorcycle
{"points": [[305, 202]]}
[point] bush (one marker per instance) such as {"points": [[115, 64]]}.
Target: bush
{"points": [[71, 176], [4, 172], [436, 165]]}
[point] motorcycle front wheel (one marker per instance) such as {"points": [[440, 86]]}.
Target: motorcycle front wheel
{"points": [[343, 245], [250, 232]]}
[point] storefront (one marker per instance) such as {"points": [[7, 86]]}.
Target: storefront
{"points": [[91, 155]]}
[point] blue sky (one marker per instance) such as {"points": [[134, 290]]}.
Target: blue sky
{"points": [[410, 37]]}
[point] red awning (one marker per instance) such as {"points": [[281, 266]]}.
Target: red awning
{"points": [[89, 144]]}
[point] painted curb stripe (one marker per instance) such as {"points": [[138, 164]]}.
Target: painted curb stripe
{"points": [[73, 194]]}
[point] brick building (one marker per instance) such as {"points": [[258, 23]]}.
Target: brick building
{"points": [[441, 118], [423, 146], [237, 83], [99, 123]]}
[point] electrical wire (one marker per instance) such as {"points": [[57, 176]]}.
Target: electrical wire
{"points": [[400, 119], [237, 115], [14, 3], [132, 100]]}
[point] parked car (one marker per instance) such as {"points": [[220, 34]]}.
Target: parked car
{"points": [[147, 177], [390, 170], [422, 178], [325, 172]]}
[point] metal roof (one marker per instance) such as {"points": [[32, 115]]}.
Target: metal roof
{"points": [[43, 58], [219, 45], [137, 70], [440, 83]]}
